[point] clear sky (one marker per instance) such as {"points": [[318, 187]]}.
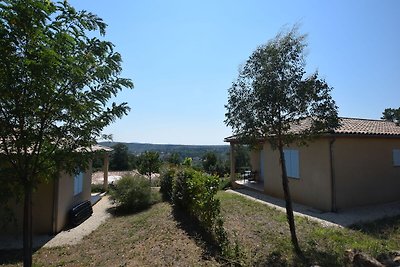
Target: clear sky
{"points": [[183, 56]]}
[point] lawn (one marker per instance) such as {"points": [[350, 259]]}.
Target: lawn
{"points": [[160, 237]]}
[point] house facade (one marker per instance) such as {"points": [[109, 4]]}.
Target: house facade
{"points": [[356, 164], [52, 201]]}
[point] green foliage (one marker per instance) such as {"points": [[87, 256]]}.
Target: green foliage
{"points": [[203, 205], [132, 193], [166, 183], [214, 165], [120, 158], [210, 162], [181, 197], [55, 84], [192, 151], [271, 94], [97, 188], [174, 159], [149, 162], [187, 162], [242, 157], [224, 182], [194, 193], [271, 97], [56, 79], [391, 114]]}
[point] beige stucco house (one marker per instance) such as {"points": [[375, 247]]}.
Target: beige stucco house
{"points": [[52, 201], [356, 164]]}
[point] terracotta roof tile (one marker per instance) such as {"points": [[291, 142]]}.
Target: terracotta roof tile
{"points": [[352, 126], [357, 127], [367, 127]]}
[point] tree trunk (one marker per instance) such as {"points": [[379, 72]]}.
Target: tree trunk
{"points": [[288, 200], [27, 231]]}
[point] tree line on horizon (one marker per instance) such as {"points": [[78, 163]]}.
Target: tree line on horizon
{"points": [[211, 161]]}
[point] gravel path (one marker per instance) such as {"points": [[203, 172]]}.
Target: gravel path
{"points": [[343, 218], [76, 234], [66, 237]]}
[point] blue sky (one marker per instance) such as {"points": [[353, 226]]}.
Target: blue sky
{"points": [[183, 56]]}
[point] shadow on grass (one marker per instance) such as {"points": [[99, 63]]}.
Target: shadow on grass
{"points": [[383, 228], [193, 228], [312, 257], [119, 211], [13, 256]]}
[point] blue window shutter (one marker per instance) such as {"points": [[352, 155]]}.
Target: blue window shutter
{"points": [[396, 157], [292, 163], [78, 183], [294, 157]]}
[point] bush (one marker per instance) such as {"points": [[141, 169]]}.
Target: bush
{"points": [[132, 193], [180, 193], [97, 188], [203, 204], [194, 192], [224, 182], [166, 183]]}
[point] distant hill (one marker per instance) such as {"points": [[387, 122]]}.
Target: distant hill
{"points": [[193, 151]]}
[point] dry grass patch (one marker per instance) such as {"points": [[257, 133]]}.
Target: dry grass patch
{"points": [[158, 237], [149, 238]]}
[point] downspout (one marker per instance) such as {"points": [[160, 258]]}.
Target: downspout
{"points": [[332, 170], [55, 204]]}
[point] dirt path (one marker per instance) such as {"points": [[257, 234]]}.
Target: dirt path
{"points": [[75, 235]]}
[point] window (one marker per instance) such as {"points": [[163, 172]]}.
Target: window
{"points": [[292, 163], [78, 183], [396, 157]]}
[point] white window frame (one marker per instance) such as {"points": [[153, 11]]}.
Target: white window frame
{"points": [[78, 183], [396, 157], [292, 160]]}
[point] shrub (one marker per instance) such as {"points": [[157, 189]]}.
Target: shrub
{"points": [[132, 193], [203, 205], [180, 194], [224, 182], [97, 188], [166, 183], [194, 192]]}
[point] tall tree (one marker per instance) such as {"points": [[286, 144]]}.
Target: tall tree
{"points": [[120, 158], [149, 162], [391, 114], [271, 95], [56, 79], [209, 161]]}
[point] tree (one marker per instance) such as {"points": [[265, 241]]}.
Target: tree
{"points": [[120, 158], [187, 162], [173, 159], [391, 114], [209, 161], [56, 79], [271, 95], [149, 162], [242, 157]]}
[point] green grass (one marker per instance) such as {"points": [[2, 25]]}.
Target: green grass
{"points": [[264, 233], [258, 234]]}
